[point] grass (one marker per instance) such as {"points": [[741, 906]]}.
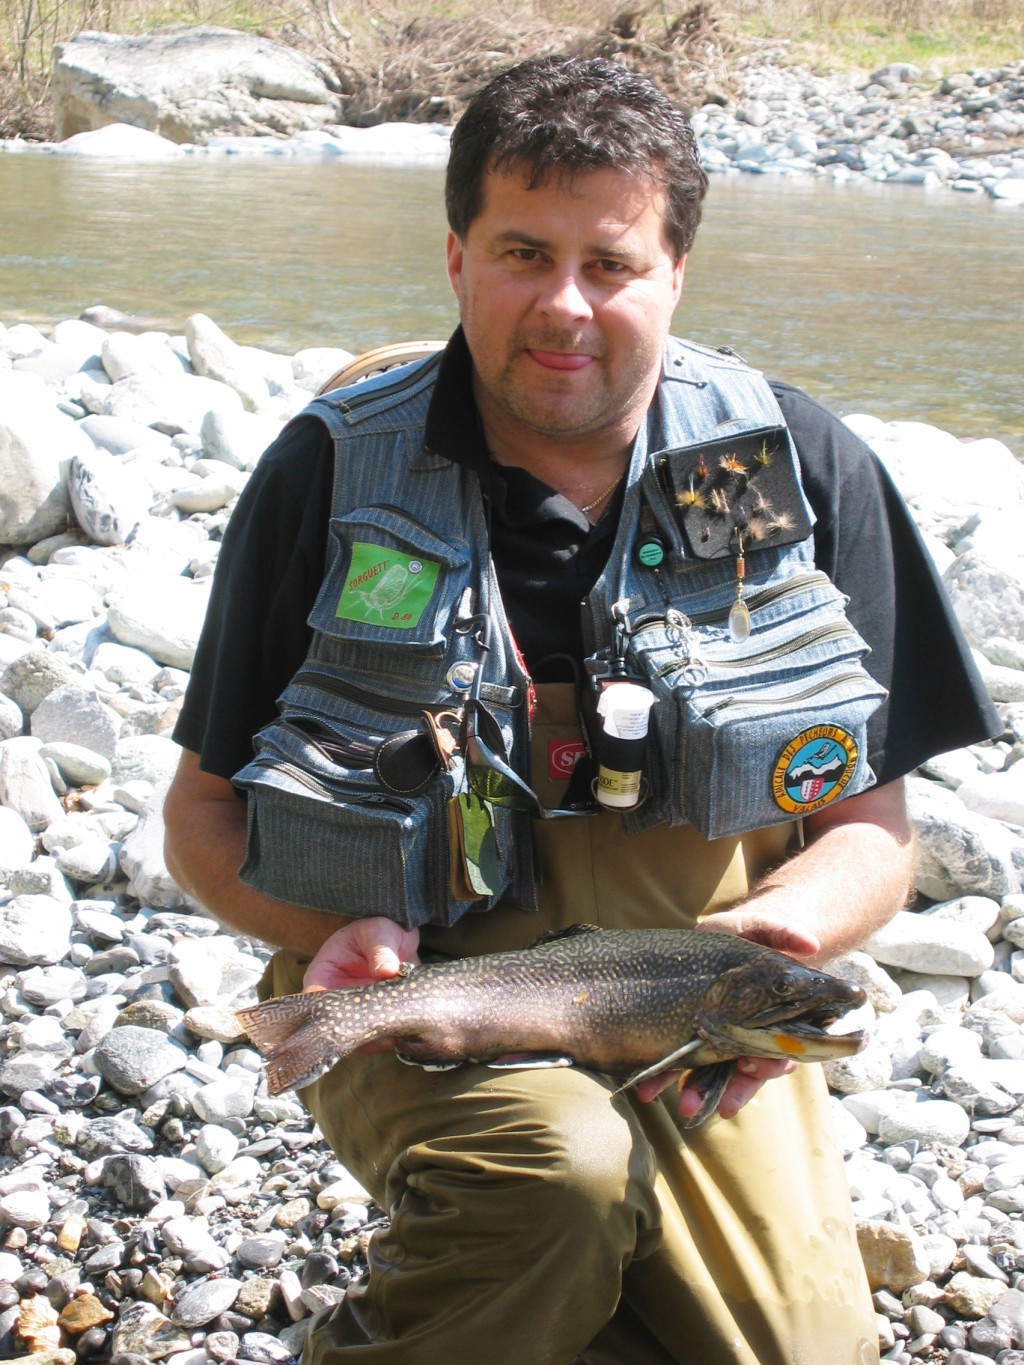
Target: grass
{"points": [[943, 35], [382, 49]]}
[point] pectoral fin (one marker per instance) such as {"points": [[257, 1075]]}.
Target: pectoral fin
{"points": [[710, 1082], [666, 1064]]}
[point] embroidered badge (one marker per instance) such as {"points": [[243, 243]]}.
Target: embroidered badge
{"points": [[385, 587], [814, 768], [563, 755]]}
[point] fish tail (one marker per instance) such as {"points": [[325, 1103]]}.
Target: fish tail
{"points": [[295, 1034]]}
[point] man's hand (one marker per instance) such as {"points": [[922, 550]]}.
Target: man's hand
{"points": [[360, 953]]}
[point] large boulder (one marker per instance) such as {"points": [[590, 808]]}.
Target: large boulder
{"points": [[190, 83]]}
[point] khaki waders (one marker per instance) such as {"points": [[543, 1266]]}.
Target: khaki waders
{"points": [[538, 1220]]}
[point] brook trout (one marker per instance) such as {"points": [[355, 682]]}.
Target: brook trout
{"points": [[629, 1003]]}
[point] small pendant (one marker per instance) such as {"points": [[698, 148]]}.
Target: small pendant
{"points": [[739, 616], [739, 622]]}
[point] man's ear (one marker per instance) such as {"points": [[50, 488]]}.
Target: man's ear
{"points": [[454, 251]]}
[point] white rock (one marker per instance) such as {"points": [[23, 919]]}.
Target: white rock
{"points": [[952, 994], [958, 852], [238, 439], [76, 714], [930, 1122], [172, 406], [25, 784], [942, 478], [124, 664], [999, 796], [988, 598], [1001, 683], [17, 842], [216, 1147], [108, 497], [36, 443], [949, 1047], [119, 142], [204, 495], [170, 636], [314, 366], [142, 859], [925, 943], [862, 969], [126, 353], [868, 1106], [79, 766], [34, 929], [1004, 652], [215, 355]]}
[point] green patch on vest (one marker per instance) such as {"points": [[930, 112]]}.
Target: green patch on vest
{"points": [[385, 587]]}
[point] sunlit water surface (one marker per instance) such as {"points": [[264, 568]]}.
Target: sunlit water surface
{"points": [[894, 300]]}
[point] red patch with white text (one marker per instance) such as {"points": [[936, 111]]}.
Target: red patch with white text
{"points": [[563, 755]]}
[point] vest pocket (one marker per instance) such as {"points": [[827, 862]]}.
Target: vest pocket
{"points": [[761, 730], [392, 581], [323, 832], [757, 760]]}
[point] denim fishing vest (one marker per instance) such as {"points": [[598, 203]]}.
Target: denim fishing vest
{"points": [[349, 810]]}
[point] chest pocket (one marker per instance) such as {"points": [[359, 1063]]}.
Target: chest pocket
{"points": [[761, 731], [392, 582]]}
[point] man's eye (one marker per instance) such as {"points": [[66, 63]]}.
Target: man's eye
{"points": [[611, 267], [526, 253]]}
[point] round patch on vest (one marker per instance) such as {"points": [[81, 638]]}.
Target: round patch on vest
{"points": [[814, 768]]}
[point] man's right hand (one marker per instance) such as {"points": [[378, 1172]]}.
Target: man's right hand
{"points": [[360, 953]]}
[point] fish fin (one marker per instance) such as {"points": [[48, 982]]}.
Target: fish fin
{"points": [[665, 1064], [710, 1082], [291, 1033], [570, 932], [273, 1022], [530, 1061], [428, 1064]]}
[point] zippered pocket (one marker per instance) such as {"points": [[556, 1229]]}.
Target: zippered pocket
{"points": [[798, 748], [324, 832], [737, 720]]}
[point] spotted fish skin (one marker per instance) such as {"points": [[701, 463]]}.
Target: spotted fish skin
{"points": [[622, 1002]]}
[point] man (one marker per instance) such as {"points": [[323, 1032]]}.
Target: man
{"points": [[536, 474]]}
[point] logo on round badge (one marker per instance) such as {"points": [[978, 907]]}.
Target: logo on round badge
{"points": [[814, 768]]}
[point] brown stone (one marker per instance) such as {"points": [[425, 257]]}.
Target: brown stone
{"points": [[83, 1312], [893, 1256]]}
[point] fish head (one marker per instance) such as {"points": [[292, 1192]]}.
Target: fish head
{"points": [[776, 1007]]}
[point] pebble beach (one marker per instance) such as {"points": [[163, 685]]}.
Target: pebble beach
{"points": [[155, 1203]]}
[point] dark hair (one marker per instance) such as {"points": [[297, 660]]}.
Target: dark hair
{"points": [[566, 115]]}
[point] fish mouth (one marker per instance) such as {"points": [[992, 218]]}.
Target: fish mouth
{"points": [[810, 1035]]}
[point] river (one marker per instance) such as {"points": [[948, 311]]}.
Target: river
{"points": [[902, 302]]}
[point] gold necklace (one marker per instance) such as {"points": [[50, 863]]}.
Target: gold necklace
{"points": [[610, 489]]}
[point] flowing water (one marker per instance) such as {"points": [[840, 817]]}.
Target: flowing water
{"points": [[889, 299]]}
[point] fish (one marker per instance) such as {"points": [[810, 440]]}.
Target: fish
{"points": [[628, 1003]]}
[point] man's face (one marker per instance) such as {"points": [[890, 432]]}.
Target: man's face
{"points": [[566, 294]]}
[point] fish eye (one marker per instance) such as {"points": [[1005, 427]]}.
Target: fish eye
{"points": [[785, 985]]}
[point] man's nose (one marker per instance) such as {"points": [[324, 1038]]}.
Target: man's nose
{"points": [[565, 295]]}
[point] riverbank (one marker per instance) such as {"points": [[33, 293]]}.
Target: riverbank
{"points": [[965, 131], [155, 1202]]}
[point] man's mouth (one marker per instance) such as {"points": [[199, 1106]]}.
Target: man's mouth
{"points": [[560, 360]]}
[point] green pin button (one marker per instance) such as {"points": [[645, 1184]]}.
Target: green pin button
{"points": [[650, 552]]}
